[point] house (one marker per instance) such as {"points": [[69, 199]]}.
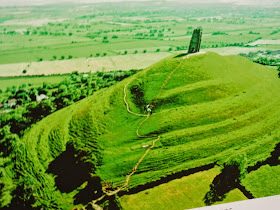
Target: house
{"points": [[41, 97], [10, 103]]}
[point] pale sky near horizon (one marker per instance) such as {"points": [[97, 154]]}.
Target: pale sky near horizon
{"points": [[36, 2]]}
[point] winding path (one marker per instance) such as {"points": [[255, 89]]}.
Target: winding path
{"points": [[125, 185]]}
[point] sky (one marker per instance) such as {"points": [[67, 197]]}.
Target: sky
{"points": [[39, 2]]}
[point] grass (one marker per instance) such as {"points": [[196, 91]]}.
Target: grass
{"points": [[32, 80], [212, 107], [108, 63], [87, 33], [263, 182], [185, 193]]}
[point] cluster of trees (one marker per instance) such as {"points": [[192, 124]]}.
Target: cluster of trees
{"points": [[222, 44], [232, 172], [219, 33], [267, 62], [28, 110], [275, 32], [251, 32], [263, 57], [62, 57], [56, 57], [14, 124]]}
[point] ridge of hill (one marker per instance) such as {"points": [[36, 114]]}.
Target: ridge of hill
{"points": [[210, 108]]}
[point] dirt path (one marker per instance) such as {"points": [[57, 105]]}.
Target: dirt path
{"points": [[138, 134], [127, 105], [125, 185]]}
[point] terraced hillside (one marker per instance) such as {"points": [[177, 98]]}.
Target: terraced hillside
{"points": [[206, 108]]}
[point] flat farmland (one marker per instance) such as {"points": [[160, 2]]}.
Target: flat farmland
{"points": [[107, 63], [185, 193], [62, 35]]}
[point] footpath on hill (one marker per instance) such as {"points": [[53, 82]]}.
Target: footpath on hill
{"points": [[157, 137]]}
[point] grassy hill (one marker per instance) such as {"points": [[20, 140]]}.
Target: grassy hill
{"points": [[212, 107]]}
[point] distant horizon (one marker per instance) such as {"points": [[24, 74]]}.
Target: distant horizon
{"points": [[42, 2]]}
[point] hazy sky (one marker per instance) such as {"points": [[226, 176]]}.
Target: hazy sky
{"points": [[36, 2]]}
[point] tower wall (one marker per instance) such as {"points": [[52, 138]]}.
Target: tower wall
{"points": [[195, 41]]}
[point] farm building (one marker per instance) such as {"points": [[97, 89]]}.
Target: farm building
{"points": [[10, 103], [41, 97]]}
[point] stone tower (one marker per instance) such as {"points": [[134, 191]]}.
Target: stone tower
{"points": [[195, 41]]}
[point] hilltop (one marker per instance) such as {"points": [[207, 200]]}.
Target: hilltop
{"points": [[210, 108]]}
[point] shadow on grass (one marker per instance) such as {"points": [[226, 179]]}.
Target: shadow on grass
{"points": [[92, 191], [221, 185], [70, 171], [273, 160]]}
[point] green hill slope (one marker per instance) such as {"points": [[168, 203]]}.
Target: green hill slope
{"points": [[210, 108]]}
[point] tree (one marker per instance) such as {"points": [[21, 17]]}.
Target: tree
{"points": [[23, 195], [233, 171], [33, 93], [24, 71], [8, 142], [144, 51], [37, 111], [105, 39]]}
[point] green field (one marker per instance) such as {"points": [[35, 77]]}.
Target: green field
{"points": [[184, 193], [33, 81], [61, 35], [223, 109], [263, 182], [108, 63], [93, 143]]}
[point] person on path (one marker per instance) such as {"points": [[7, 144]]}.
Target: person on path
{"points": [[149, 109]]}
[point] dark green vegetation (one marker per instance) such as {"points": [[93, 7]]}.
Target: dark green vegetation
{"points": [[55, 32], [214, 110], [267, 58], [32, 102], [27, 110], [233, 171]]}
